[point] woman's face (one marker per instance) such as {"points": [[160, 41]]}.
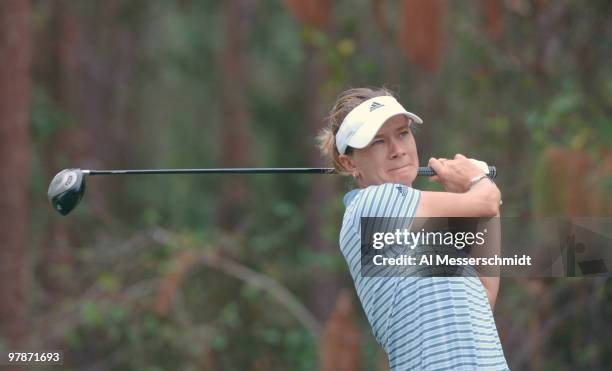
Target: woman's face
{"points": [[391, 157]]}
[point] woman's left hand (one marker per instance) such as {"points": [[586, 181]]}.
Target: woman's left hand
{"points": [[455, 174]]}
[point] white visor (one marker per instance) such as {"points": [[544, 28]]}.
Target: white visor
{"points": [[363, 122]]}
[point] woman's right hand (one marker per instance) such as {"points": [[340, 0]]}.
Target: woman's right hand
{"points": [[455, 174]]}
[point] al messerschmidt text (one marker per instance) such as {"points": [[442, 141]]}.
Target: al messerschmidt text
{"points": [[448, 260]]}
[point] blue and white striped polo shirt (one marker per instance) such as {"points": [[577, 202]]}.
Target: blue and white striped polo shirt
{"points": [[423, 323]]}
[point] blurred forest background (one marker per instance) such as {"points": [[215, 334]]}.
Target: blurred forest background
{"points": [[244, 272]]}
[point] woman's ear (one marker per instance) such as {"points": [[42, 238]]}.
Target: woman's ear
{"points": [[348, 164]]}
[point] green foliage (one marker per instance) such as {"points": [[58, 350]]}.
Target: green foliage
{"points": [[502, 101]]}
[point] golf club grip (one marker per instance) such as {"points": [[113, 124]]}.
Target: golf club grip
{"points": [[422, 171], [427, 171]]}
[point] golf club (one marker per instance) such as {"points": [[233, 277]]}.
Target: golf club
{"points": [[68, 186]]}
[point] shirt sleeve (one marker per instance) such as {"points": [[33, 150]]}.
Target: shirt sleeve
{"points": [[389, 200], [397, 204]]}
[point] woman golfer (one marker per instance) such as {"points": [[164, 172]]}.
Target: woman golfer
{"points": [[422, 323]]}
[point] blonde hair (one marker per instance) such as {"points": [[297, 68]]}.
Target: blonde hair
{"points": [[346, 101]]}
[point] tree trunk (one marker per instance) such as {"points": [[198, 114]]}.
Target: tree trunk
{"points": [[324, 287], [340, 346], [492, 13], [86, 62], [236, 135], [421, 36], [14, 152], [386, 43], [53, 62]]}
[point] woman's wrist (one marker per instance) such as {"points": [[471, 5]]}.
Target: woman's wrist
{"points": [[475, 180], [484, 187]]}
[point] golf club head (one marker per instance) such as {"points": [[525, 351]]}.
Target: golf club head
{"points": [[66, 190]]}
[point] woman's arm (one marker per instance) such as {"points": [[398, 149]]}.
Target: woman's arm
{"points": [[491, 285], [490, 276], [481, 200]]}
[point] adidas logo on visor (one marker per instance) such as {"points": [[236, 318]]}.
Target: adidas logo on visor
{"points": [[375, 105]]}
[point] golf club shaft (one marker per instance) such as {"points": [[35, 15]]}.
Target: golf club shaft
{"points": [[422, 171]]}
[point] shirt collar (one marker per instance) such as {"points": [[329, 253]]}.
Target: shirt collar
{"points": [[350, 196]]}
